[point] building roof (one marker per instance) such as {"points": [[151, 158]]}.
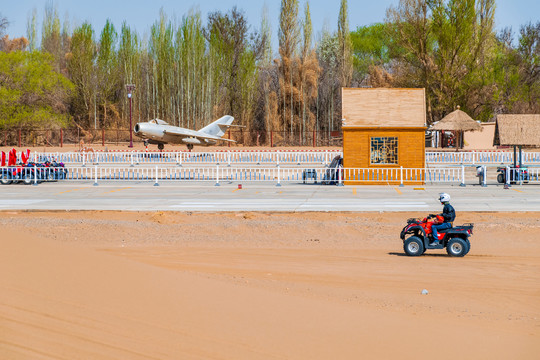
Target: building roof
{"points": [[383, 107], [521, 130], [457, 120]]}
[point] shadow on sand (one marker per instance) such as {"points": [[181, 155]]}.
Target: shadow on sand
{"points": [[425, 254]]}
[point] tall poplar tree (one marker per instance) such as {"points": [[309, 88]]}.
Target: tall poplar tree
{"points": [[345, 45], [289, 36]]}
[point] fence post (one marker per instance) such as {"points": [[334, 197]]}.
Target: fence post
{"points": [[131, 160], [277, 159], [340, 180], [83, 159], [463, 176], [95, 178], [484, 184], [156, 183], [217, 175], [229, 158], [35, 175], [507, 180], [401, 176], [278, 175]]}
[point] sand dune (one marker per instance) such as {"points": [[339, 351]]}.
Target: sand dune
{"points": [[112, 285]]}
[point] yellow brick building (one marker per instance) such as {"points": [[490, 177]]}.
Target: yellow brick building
{"points": [[383, 129]]}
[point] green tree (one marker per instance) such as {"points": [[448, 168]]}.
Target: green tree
{"points": [[32, 93], [31, 30], [289, 37], [445, 46], [308, 69], [106, 75], [371, 49], [81, 68], [237, 52], [345, 51]]}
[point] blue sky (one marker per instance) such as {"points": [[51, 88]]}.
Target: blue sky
{"points": [[141, 14]]}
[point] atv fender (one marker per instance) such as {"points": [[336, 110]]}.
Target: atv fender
{"points": [[413, 229]]}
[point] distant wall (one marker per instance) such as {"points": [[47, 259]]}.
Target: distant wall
{"points": [[480, 140]]}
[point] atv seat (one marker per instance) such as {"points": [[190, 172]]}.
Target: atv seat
{"points": [[446, 230]]}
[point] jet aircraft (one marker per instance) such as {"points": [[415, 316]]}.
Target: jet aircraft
{"points": [[159, 132]]}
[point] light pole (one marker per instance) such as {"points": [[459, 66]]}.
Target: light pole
{"points": [[130, 88]]}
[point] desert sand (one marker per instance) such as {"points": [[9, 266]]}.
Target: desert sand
{"points": [[138, 285]]}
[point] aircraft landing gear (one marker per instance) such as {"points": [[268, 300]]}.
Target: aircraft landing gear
{"points": [[145, 142], [190, 147], [161, 146]]}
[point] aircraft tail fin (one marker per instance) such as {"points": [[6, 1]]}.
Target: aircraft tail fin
{"points": [[218, 127]]}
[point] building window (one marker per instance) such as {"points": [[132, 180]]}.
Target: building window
{"points": [[384, 150]]}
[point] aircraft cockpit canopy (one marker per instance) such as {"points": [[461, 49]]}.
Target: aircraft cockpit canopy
{"points": [[158, 122]]}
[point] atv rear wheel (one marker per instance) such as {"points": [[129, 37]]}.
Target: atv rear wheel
{"points": [[468, 246], [457, 247], [413, 246], [500, 178]]}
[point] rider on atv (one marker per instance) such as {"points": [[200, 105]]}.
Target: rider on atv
{"points": [[448, 215]]}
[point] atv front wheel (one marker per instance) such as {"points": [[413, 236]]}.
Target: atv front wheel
{"points": [[500, 178], [457, 247], [413, 246]]}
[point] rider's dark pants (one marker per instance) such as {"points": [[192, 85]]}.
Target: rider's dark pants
{"points": [[442, 226]]}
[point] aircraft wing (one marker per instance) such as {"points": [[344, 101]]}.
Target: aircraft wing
{"points": [[194, 134]]}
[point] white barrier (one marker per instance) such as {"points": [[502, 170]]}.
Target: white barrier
{"points": [[258, 174], [322, 157], [272, 157], [479, 157]]}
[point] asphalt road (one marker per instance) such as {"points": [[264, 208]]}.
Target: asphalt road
{"points": [[170, 196]]}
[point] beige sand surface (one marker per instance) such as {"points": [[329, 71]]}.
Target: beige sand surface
{"points": [[113, 285]]}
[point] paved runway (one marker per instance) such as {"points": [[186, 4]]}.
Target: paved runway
{"points": [[142, 196]]}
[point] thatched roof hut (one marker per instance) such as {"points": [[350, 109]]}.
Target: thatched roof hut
{"points": [[457, 121], [517, 130]]}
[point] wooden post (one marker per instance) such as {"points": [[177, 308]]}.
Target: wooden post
{"points": [[229, 138], [314, 141], [102, 137], [61, 137], [271, 138]]}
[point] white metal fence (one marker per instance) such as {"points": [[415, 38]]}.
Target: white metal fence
{"points": [[183, 157], [270, 157], [218, 173], [224, 173], [479, 157]]}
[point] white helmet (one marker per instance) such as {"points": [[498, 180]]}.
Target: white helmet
{"points": [[444, 197]]}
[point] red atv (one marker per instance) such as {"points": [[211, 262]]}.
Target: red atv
{"points": [[455, 239]]}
